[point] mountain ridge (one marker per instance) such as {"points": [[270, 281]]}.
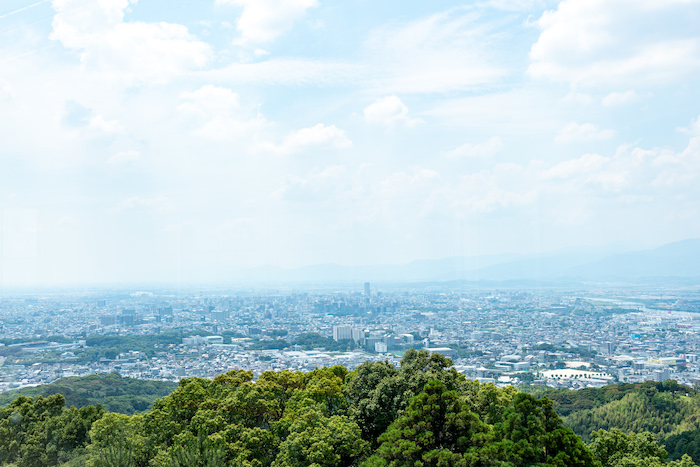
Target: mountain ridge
{"points": [[680, 260]]}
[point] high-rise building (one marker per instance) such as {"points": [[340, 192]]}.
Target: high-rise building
{"points": [[341, 333], [358, 334], [662, 374], [108, 320], [366, 289]]}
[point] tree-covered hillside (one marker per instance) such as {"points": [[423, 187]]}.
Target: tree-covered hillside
{"points": [[111, 391], [422, 414], [662, 408]]}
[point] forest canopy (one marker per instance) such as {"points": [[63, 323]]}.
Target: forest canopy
{"points": [[420, 414]]}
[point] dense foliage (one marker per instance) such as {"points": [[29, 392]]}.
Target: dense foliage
{"points": [[618, 449], [662, 408], [421, 414], [687, 442], [41, 431], [111, 391]]}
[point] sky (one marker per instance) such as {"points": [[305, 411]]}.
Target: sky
{"points": [[185, 140]]}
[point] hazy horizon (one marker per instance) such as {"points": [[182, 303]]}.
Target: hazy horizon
{"points": [[151, 141]]}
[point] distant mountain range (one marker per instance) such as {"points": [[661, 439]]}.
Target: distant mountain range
{"points": [[678, 261]]}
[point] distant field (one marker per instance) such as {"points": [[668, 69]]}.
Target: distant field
{"points": [[114, 393]]}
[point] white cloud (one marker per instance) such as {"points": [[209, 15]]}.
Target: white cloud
{"points": [[389, 111], [265, 20], [210, 99], [486, 149], [136, 51], [575, 132], [626, 42], [318, 186], [219, 113], [492, 190], [318, 136], [130, 155], [444, 52], [692, 129], [629, 177], [583, 165], [619, 98], [80, 117], [100, 124], [450, 51]]}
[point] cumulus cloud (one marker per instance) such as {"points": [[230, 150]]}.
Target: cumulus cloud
{"points": [[318, 136], [80, 117], [597, 42], [583, 165], [575, 132], [632, 176], [505, 187], [619, 98], [486, 149], [210, 99], [137, 51], [390, 112], [629, 176], [318, 186], [219, 113], [692, 129], [102, 125], [265, 20]]}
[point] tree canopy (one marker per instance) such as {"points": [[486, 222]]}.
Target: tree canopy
{"points": [[420, 414]]}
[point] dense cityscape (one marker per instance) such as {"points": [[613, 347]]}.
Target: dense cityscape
{"points": [[555, 337]]}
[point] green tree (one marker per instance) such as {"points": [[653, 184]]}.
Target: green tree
{"points": [[40, 431], [532, 434], [618, 449], [437, 429], [378, 392], [316, 440]]}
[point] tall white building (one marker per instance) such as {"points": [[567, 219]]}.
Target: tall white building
{"points": [[380, 347], [346, 333], [662, 374], [342, 333]]}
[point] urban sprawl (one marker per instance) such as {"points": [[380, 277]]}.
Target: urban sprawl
{"points": [[559, 338]]}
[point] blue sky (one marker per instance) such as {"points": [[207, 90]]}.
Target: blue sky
{"points": [[184, 140]]}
